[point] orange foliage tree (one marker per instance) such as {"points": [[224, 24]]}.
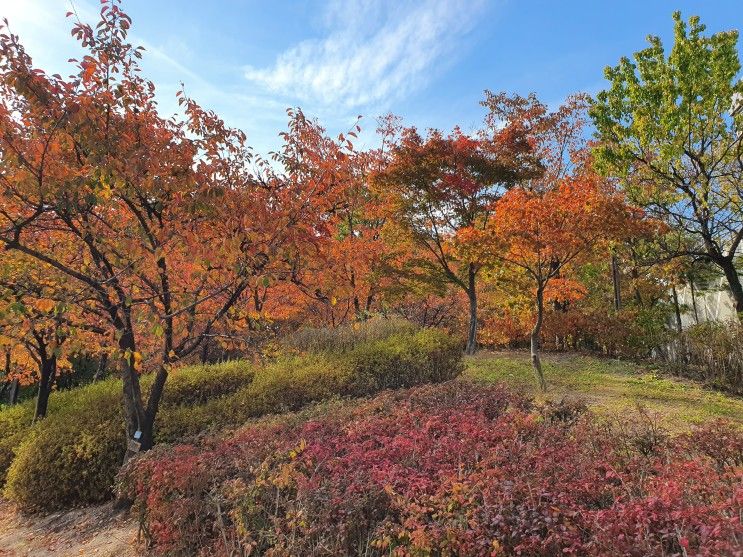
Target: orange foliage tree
{"points": [[440, 184], [331, 260], [546, 233], [156, 218], [44, 320]]}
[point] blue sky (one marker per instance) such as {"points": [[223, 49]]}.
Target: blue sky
{"points": [[428, 61]]}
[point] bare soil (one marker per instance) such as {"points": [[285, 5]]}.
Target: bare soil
{"points": [[100, 531]]}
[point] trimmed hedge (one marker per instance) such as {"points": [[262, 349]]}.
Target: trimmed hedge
{"points": [[199, 384], [15, 423], [346, 337], [429, 356], [291, 382], [72, 456]]}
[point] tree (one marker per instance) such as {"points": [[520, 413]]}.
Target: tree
{"points": [[440, 184], [157, 219], [335, 270], [544, 233], [672, 128], [44, 320]]}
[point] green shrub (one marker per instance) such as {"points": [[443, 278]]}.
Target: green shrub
{"points": [[403, 360], [346, 337], [198, 384], [283, 385], [291, 382], [72, 455], [15, 423], [186, 386]]}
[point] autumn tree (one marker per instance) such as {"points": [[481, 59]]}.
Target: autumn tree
{"points": [[437, 185], [157, 218], [670, 125], [44, 321], [544, 233], [329, 269], [556, 137]]}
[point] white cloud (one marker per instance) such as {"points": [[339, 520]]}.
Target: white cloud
{"points": [[369, 53], [374, 51]]}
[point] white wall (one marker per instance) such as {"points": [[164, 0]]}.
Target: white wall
{"points": [[714, 304]]}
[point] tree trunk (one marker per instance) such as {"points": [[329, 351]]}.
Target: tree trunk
{"points": [[535, 334], [6, 378], [683, 352], [694, 300], [635, 278], [617, 285], [676, 309], [101, 370], [472, 295], [205, 352], [48, 371], [147, 440], [14, 392], [731, 274], [134, 413], [356, 307]]}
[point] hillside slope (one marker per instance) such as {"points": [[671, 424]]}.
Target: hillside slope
{"points": [[609, 387]]}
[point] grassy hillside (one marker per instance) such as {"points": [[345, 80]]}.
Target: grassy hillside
{"points": [[609, 387]]}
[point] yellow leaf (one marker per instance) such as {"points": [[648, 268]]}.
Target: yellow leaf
{"points": [[44, 305]]}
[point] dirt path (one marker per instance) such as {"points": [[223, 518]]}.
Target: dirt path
{"points": [[99, 531]]}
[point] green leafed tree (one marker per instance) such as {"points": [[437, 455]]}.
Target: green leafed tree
{"points": [[671, 125]]}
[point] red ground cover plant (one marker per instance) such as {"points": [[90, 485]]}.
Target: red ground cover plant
{"points": [[452, 469]]}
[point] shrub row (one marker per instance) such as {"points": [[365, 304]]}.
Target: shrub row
{"points": [[291, 382], [71, 457], [15, 423], [72, 454], [453, 469], [711, 352], [346, 337]]}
